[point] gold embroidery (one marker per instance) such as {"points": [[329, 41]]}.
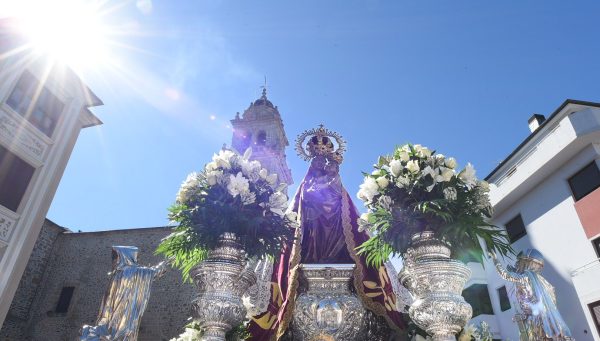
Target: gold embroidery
{"points": [[373, 306], [266, 322]]}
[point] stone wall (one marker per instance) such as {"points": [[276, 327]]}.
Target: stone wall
{"points": [[82, 260], [16, 321]]}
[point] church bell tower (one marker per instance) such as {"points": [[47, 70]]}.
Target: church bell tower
{"points": [[260, 127]]}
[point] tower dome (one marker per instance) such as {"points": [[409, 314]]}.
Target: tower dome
{"points": [[260, 127]]}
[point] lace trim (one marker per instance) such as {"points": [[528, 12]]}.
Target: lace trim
{"points": [[258, 295], [403, 297]]}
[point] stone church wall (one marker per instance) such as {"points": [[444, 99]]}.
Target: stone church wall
{"points": [[82, 260], [16, 321]]}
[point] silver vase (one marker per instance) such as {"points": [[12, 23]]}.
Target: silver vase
{"points": [[221, 279], [326, 309], [436, 281]]}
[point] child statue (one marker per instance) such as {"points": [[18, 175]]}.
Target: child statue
{"points": [[126, 298], [538, 317]]}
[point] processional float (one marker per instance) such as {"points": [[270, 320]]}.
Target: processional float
{"points": [[319, 289]]}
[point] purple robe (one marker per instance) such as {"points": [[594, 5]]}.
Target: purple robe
{"points": [[328, 234]]}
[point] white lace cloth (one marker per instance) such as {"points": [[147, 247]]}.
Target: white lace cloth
{"points": [[403, 297], [258, 295]]}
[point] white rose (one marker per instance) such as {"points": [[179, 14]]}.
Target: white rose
{"points": [[404, 156], [417, 148], [211, 166], [450, 163], [412, 166], [382, 181], [368, 189], [223, 163], [237, 185], [396, 167], [425, 152], [376, 172]]}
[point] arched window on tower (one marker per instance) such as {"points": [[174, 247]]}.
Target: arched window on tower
{"points": [[261, 138]]}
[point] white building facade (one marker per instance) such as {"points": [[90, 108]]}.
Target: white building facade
{"points": [[43, 107], [547, 195]]}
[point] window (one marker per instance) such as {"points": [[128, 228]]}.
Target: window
{"points": [[585, 181], [64, 300], [36, 103], [478, 297], [596, 243], [515, 229], [503, 296], [15, 175], [261, 138], [595, 310]]}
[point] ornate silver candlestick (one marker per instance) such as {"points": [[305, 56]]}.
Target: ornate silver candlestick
{"points": [[221, 279], [436, 281]]}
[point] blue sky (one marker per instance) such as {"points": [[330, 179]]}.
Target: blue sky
{"points": [[460, 77]]}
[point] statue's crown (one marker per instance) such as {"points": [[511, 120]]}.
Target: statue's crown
{"points": [[320, 143]]}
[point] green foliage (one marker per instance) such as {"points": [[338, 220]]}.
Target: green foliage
{"points": [[181, 249]]}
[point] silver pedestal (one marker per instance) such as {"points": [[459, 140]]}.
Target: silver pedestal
{"points": [[436, 281], [221, 279], [327, 310]]}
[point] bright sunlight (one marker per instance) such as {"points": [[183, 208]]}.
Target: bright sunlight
{"points": [[71, 31]]}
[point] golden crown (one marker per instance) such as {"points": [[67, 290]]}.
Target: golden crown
{"points": [[320, 142]]}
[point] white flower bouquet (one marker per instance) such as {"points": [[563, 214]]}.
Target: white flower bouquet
{"points": [[232, 194], [415, 190]]}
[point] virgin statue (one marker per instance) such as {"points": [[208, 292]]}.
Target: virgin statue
{"points": [[328, 233], [538, 318], [126, 298]]}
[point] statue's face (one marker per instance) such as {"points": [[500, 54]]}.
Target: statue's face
{"points": [[528, 264]]}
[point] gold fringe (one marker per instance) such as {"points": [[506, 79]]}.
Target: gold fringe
{"points": [[370, 304], [293, 276]]}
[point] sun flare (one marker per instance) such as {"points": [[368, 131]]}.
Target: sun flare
{"points": [[70, 31]]}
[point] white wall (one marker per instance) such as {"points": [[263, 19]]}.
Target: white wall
{"points": [[553, 228]]}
